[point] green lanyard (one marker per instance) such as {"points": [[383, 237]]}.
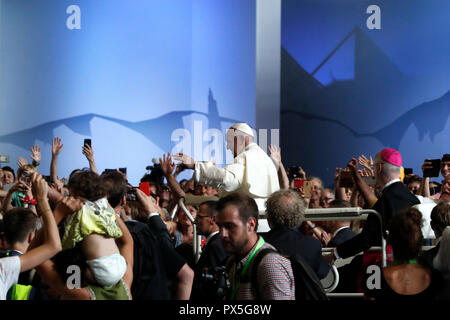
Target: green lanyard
{"points": [[237, 282]]}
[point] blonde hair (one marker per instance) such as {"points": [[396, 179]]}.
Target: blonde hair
{"points": [[25, 167]]}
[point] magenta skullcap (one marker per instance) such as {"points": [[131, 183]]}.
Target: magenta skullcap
{"points": [[392, 156]]}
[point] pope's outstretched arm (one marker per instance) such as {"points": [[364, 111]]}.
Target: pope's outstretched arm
{"points": [[228, 178]]}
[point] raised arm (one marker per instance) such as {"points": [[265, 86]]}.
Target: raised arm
{"points": [[339, 191], [126, 248], [89, 153], [275, 155], [424, 189], [19, 186], [52, 242], [167, 167], [362, 186], [183, 283], [56, 149], [36, 155]]}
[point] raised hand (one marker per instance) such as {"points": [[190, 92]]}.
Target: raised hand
{"points": [[56, 146], [20, 186], [69, 205], [367, 172], [366, 163], [275, 154], [58, 186], [325, 237], [149, 204], [167, 165], [36, 153], [88, 152], [39, 187], [178, 170], [186, 160], [21, 162]]}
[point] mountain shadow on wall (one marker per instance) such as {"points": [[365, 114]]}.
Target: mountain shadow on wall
{"points": [[378, 92], [429, 118], [157, 130]]}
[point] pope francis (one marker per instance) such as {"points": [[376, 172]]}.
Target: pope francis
{"points": [[251, 172]]}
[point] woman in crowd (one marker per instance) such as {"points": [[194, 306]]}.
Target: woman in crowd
{"points": [[405, 278]]}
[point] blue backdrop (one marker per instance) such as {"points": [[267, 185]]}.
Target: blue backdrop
{"points": [[133, 73], [347, 89]]}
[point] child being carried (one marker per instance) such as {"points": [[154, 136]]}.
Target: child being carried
{"points": [[96, 228]]}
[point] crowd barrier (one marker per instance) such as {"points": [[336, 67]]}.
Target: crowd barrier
{"points": [[343, 214]]}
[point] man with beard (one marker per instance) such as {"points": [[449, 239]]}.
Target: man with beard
{"points": [[238, 221]]}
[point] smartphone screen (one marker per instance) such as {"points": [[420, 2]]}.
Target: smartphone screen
{"points": [[408, 171], [88, 142]]}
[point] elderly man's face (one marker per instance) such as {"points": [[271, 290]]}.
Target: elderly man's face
{"points": [[378, 168], [229, 139], [235, 141]]}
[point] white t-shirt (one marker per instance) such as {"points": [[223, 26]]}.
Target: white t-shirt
{"points": [[9, 274]]}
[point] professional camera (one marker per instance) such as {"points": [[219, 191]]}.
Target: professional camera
{"points": [[294, 172], [156, 174], [216, 280]]}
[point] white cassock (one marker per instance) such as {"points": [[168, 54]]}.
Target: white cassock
{"points": [[251, 172]]}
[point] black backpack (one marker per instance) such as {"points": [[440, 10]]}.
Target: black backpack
{"points": [[307, 284], [149, 276]]}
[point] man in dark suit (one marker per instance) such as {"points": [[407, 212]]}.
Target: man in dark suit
{"points": [[213, 254], [395, 197], [339, 230], [285, 211]]}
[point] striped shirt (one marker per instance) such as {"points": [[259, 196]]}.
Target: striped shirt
{"points": [[274, 276]]}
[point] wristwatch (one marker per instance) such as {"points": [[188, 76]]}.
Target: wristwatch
{"points": [[312, 226]]}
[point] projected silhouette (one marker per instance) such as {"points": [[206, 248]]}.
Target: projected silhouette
{"points": [[157, 130], [379, 105]]}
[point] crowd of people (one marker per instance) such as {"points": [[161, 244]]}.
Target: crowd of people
{"points": [[93, 235]]}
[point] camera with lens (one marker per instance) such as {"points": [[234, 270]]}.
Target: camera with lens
{"points": [[294, 172], [215, 281], [156, 174]]}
